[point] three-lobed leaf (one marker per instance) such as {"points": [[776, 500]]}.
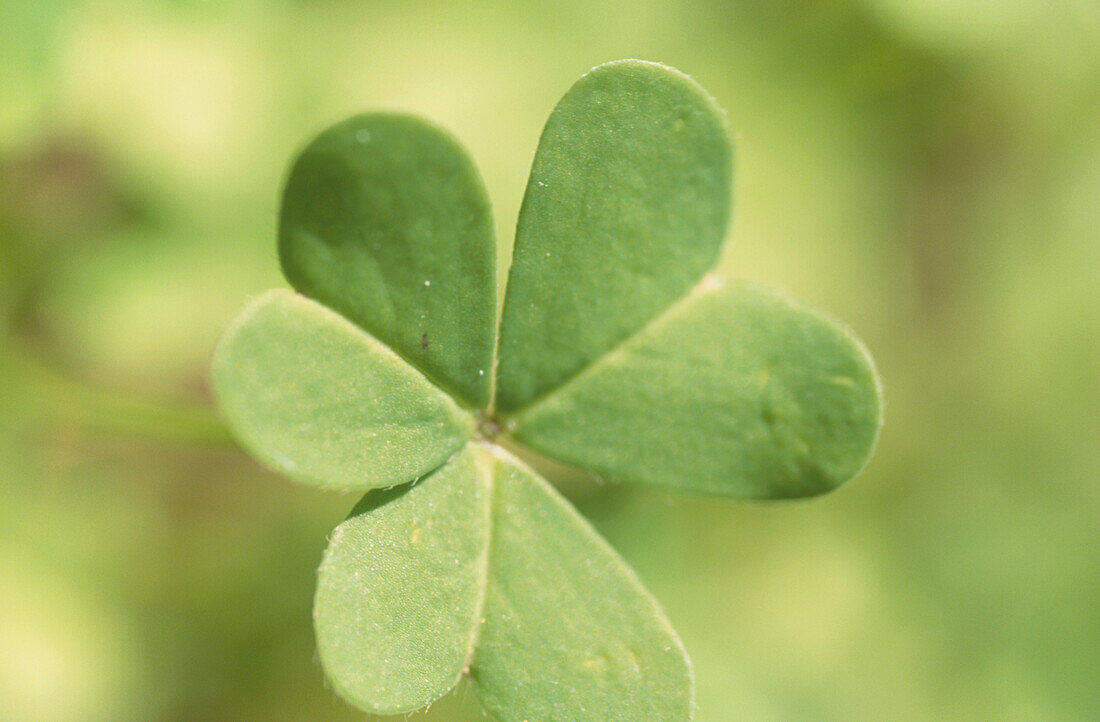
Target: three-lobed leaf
{"points": [[617, 354]]}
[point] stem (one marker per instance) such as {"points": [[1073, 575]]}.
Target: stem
{"points": [[53, 397]]}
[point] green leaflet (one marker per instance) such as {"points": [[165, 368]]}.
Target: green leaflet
{"points": [[483, 566], [570, 633], [626, 207], [400, 589], [318, 399], [386, 220], [735, 391]]}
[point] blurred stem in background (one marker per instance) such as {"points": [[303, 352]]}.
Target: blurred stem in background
{"points": [[50, 397], [55, 197]]}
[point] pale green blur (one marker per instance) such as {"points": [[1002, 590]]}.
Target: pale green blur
{"points": [[927, 171]]}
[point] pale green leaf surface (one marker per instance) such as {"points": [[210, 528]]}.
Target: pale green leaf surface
{"points": [[386, 220], [400, 588], [320, 400], [736, 390], [569, 632], [626, 208]]}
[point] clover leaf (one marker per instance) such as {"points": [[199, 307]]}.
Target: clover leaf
{"points": [[619, 352]]}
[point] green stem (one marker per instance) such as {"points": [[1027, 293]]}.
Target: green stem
{"points": [[49, 396]]}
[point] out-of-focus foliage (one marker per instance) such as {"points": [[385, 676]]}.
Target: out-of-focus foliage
{"points": [[928, 171]]}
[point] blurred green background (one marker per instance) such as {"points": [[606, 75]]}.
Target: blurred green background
{"points": [[927, 170]]}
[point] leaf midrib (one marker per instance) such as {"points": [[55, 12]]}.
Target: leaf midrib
{"points": [[710, 282], [485, 461]]}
